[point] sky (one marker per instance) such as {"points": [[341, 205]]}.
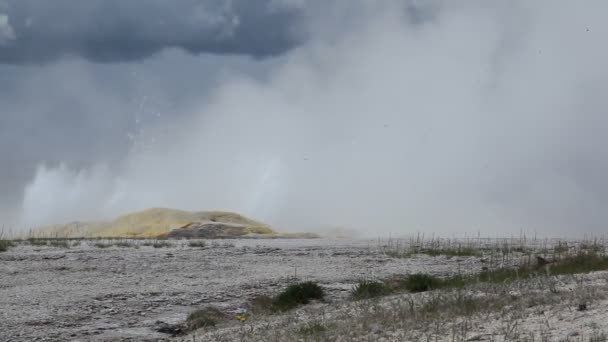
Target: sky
{"points": [[381, 117]]}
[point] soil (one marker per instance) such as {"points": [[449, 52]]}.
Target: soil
{"points": [[139, 293]]}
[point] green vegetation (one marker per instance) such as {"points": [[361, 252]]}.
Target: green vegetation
{"points": [[260, 305], [53, 242], [582, 262], [38, 242], [5, 245], [125, 244], [204, 318], [422, 282], [59, 243], [297, 294], [432, 249], [367, 289], [293, 296], [197, 244], [162, 244], [312, 329]]}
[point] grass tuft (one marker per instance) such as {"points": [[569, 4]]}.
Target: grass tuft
{"points": [[60, 244], [5, 245], [298, 294], [124, 244], [204, 318], [162, 244], [312, 329], [580, 263], [367, 289], [197, 244], [261, 305], [37, 242], [421, 282]]}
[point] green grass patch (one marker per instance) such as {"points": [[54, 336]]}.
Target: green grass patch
{"points": [[459, 251], [297, 294], [456, 251], [580, 263], [421, 282], [367, 289], [5, 245]]}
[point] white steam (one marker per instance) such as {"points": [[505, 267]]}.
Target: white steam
{"points": [[7, 34], [486, 118]]}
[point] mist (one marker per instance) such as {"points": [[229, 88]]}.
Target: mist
{"points": [[473, 117]]}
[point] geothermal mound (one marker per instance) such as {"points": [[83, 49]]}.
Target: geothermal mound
{"points": [[161, 222]]}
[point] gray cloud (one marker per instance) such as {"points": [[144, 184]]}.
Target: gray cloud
{"points": [[453, 117], [106, 31]]}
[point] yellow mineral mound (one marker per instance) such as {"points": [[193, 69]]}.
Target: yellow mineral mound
{"points": [[156, 222]]}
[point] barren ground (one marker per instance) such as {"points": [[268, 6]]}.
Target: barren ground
{"points": [[86, 293]]}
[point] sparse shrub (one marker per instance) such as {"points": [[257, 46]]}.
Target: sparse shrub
{"points": [[502, 275], [598, 337], [312, 329], [37, 242], [593, 247], [398, 254], [366, 289], [59, 243], [561, 248], [261, 305], [5, 245], [461, 251], [197, 244], [519, 249], [124, 244], [298, 294], [162, 244], [422, 282], [582, 262], [455, 282], [217, 244], [102, 245], [204, 318]]}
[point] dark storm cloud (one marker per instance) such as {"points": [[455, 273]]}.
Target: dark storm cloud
{"points": [[34, 31]]}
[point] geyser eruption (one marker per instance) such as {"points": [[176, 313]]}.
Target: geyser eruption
{"points": [[479, 117]]}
